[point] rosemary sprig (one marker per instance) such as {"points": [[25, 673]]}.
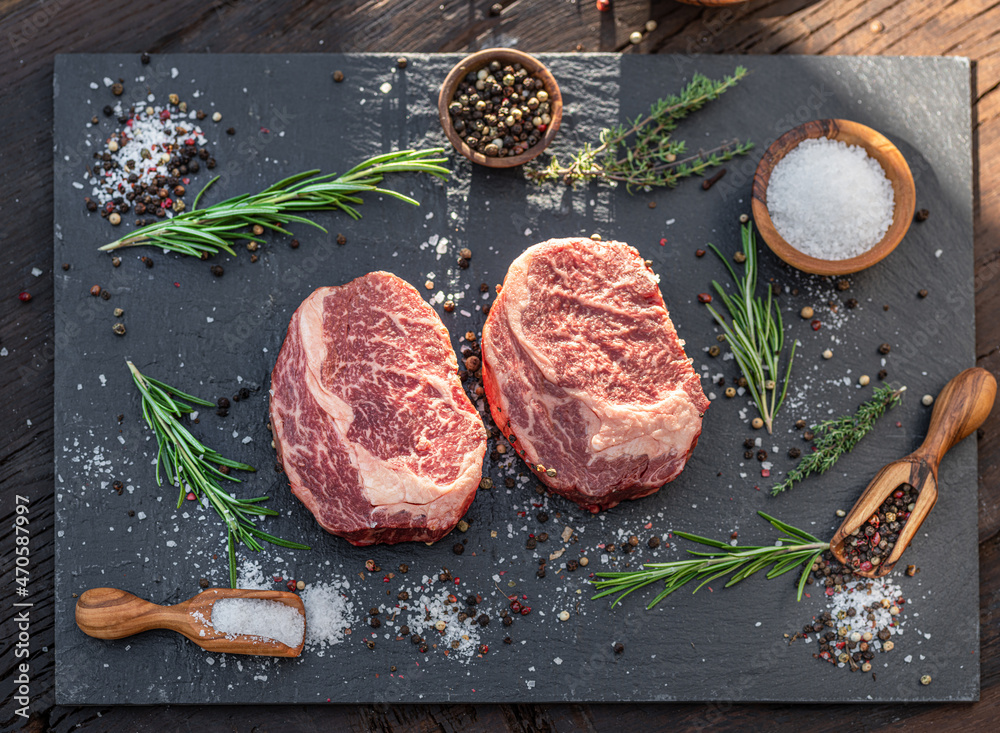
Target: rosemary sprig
{"points": [[642, 153], [191, 466], [794, 548], [204, 232], [833, 438], [755, 332]]}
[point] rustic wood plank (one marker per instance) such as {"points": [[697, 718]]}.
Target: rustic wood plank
{"points": [[33, 30]]}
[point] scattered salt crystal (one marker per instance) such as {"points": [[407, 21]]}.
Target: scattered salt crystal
{"points": [[329, 611], [385, 88], [258, 617], [822, 176], [247, 439], [36, 271]]}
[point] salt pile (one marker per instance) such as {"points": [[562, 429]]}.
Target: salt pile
{"points": [[830, 200], [260, 618], [329, 611]]}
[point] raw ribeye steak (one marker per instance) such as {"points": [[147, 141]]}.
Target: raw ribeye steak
{"points": [[585, 374], [369, 418]]}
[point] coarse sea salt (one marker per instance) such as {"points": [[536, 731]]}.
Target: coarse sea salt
{"points": [[830, 200], [260, 618], [330, 613]]}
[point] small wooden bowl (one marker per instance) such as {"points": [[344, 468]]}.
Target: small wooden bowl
{"points": [[878, 147], [505, 56]]}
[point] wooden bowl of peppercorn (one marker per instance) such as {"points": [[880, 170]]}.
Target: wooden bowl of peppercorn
{"points": [[465, 89]]}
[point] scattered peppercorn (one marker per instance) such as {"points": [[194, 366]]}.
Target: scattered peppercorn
{"points": [[338, 76], [619, 647], [95, 290], [117, 89], [922, 215], [146, 261], [794, 452], [119, 328], [882, 374], [714, 350], [708, 182]]}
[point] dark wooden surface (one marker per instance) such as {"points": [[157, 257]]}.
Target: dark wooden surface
{"points": [[33, 31]]}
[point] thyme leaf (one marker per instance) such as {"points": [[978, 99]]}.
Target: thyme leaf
{"points": [[835, 437], [642, 153]]}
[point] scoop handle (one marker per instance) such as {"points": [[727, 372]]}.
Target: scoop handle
{"points": [[961, 407], [110, 613]]}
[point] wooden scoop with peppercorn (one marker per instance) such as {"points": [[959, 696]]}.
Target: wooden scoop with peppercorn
{"points": [[885, 519], [110, 613]]}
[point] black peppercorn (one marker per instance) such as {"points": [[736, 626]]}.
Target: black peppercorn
{"points": [[922, 215], [341, 239], [338, 76], [458, 548], [217, 270]]}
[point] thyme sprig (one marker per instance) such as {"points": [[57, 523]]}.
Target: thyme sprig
{"points": [[755, 332], [794, 548], [203, 232], [833, 438], [191, 466], [642, 153]]}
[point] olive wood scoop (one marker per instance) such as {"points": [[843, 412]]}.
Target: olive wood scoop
{"points": [[109, 613], [962, 406]]}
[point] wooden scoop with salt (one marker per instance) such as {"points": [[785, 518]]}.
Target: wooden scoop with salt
{"points": [[242, 625]]}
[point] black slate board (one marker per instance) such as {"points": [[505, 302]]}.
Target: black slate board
{"points": [[710, 646]]}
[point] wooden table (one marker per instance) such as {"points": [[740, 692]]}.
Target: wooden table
{"points": [[32, 31]]}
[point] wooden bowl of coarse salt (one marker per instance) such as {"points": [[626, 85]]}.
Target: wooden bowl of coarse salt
{"points": [[832, 197]]}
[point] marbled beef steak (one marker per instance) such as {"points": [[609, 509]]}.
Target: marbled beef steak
{"points": [[585, 374], [369, 418]]}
